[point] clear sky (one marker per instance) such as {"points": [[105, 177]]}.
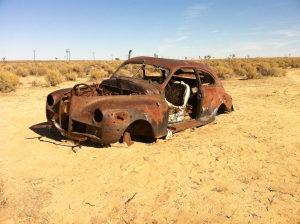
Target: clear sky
{"points": [[170, 28]]}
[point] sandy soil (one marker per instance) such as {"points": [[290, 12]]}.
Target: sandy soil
{"points": [[242, 168]]}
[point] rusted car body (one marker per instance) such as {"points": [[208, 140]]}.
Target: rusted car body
{"points": [[145, 96]]}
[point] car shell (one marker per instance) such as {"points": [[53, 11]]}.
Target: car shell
{"points": [[120, 108]]}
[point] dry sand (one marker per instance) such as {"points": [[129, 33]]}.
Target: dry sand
{"points": [[242, 168]]}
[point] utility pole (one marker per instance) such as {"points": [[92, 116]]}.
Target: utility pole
{"points": [[68, 54], [94, 55], [34, 55], [112, 57]]}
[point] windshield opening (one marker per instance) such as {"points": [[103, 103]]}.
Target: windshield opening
{"points": [[142, 71]]}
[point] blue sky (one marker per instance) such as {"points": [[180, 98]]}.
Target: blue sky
{"points": [[170, 28]]}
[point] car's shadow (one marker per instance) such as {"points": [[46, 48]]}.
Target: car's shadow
{"points": [[53, 134]]}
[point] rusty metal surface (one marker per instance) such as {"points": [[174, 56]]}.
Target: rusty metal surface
{"points": [[122, 106]]}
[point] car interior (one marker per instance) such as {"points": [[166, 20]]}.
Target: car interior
{"points": [[181, 93]]}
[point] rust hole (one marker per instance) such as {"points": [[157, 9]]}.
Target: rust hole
{"points": [[120, 118]]}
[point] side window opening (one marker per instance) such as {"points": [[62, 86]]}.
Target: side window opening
{"points": [[206, 79]]}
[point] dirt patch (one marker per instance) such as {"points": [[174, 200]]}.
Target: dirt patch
{"points": [[242, 168]]}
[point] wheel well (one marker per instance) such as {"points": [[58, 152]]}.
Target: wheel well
{"points": [[140, 128], [222, 109]]}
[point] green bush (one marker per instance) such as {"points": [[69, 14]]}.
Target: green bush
{"points": [[54, 78], [8, 81]]}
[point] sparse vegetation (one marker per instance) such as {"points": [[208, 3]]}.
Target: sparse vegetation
{"points": [[251, 68], [54, 78], [36, 83], [56, 72], [223, 72], [2, 198], [22, 72], [8, 81], [71, 76], [97, 75]]}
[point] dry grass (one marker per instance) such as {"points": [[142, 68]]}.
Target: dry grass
{"points": [[97, 75], [252, 68], [71, 76], [223, 72], [3, 199], [22, 72], [37, 83], [249, 68], [53, 78], [8, 81]]}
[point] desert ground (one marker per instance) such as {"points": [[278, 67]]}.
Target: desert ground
{"points": [[242, 168]]}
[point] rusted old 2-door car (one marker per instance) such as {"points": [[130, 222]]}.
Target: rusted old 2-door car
{"points": [[145, 96]]}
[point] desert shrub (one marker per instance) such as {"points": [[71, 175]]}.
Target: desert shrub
{"points": [[8, 67], [41, 71], [216, 63], [8, 81], [110, 69], [77, 68], [97, 75], [283, 64], [274, 64], [64, 70], [235, 64], [263, 66], [22, 72], [251, 71], [223, 72], [71, 76], [86, 70], [81, 74], [280, 72], [103, 64], [33, 70], [52, 66], [295, 64], [277, 72], [240, 72], [36, 83], [129, 73], [54, 78]]}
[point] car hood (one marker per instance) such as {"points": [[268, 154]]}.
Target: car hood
{"points": [[133, 84]]}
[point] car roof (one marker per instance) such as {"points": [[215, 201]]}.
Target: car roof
{"points": [[173, 64]]}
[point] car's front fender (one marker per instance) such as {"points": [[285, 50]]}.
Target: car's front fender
{"points": [[118, 112]]}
